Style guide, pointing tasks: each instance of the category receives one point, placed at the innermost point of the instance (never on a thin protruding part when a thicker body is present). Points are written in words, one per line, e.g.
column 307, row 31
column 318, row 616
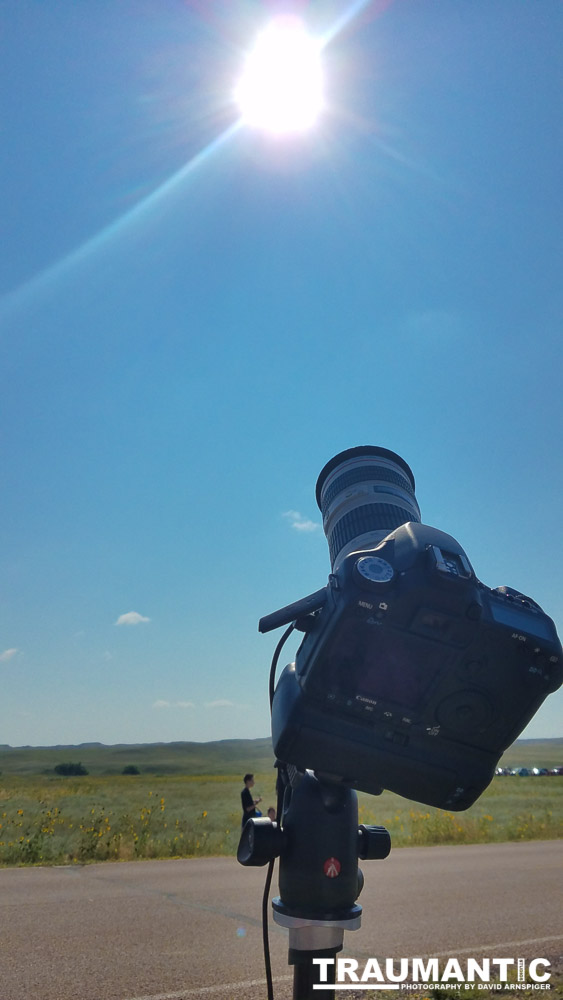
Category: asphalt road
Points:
column 189, row 930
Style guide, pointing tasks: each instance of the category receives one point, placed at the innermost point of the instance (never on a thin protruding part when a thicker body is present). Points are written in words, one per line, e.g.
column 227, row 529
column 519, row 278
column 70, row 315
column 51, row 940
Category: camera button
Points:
column 465, row 711
column 474, row 669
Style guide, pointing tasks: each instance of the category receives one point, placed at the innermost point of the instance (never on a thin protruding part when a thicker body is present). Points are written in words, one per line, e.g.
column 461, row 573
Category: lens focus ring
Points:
column 364, row 493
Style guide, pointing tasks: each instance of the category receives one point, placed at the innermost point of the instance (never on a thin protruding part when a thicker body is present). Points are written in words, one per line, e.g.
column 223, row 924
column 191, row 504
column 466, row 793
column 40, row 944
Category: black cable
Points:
column 270, row 872
column 266, row 899
column 275, row 659
column 265, row 938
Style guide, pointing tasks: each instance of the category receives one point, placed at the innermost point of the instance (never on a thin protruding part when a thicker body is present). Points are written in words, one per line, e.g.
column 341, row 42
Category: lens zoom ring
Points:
column 368, row 474
column 367, row 517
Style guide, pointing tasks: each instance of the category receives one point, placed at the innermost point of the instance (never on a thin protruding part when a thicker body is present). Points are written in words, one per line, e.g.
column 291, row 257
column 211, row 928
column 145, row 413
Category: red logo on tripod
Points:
column 332, row 867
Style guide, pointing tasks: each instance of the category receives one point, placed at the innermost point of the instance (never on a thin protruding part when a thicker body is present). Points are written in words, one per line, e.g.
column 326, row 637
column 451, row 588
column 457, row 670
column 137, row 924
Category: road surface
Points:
column 190, row 929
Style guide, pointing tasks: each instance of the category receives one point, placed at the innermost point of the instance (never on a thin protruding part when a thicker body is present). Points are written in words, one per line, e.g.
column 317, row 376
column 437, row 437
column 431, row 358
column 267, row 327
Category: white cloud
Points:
column 299, row 522
column 161, row 703
column 7, row 655
column 131, row 618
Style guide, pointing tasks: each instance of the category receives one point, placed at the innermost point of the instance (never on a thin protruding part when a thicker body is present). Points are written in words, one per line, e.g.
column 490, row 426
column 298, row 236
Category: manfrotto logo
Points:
column 429, row 973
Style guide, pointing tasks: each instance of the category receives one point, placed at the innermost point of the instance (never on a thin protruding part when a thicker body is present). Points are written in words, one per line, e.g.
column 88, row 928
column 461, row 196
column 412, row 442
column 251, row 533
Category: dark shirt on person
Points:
column 247, row 800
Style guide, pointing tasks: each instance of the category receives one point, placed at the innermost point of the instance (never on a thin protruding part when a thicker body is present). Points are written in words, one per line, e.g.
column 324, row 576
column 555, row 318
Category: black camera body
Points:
column 412, row 675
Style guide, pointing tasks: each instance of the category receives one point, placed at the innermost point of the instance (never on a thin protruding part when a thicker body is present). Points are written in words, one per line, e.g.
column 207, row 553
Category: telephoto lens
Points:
column 363, row 494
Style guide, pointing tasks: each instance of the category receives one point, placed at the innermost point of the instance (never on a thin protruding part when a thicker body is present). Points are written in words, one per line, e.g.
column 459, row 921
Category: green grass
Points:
column 186, row 802
column 510, row 809
column 534, row 753
column 58, row 820
column 46, row 819
column 53, row 820
column 221, row 757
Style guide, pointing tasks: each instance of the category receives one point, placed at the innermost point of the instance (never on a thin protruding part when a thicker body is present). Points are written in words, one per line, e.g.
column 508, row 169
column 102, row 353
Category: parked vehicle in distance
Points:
column 528, row 772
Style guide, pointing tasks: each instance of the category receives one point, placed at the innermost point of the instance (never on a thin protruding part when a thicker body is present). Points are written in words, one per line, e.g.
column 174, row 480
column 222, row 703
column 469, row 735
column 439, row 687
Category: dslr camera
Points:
column 412, row 675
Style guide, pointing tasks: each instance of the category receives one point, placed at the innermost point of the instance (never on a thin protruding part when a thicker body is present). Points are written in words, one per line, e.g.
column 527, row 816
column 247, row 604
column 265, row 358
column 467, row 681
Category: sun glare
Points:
column 281, row 87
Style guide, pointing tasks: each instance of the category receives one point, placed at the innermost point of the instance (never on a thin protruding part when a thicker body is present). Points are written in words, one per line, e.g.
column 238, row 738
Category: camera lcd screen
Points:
column 532, row 624
column 374, row 664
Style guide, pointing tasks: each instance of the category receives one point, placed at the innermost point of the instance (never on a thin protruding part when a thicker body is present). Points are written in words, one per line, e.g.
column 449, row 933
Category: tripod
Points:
column 318, row 843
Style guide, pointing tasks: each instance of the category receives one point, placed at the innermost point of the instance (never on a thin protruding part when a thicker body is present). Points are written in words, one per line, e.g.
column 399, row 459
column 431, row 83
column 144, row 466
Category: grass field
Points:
column 47, row 819
column 220, row 757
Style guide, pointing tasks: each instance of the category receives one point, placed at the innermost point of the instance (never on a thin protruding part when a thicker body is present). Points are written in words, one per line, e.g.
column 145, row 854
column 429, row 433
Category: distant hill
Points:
column 218, row 757
column 534, row 753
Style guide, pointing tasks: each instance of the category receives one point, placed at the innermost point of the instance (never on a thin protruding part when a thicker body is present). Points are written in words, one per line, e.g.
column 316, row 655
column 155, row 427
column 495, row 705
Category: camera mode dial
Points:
column 374, row 569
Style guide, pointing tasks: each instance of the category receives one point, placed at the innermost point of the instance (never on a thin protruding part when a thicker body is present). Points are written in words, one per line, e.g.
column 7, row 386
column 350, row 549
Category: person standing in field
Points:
column 248, row 803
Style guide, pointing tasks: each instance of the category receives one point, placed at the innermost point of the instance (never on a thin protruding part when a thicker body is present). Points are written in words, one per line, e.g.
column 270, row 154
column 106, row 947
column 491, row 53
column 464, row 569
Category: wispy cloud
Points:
column 299, row 522
column 220, row 703
column 161, row 703
column 131, row 618
column 7, row 655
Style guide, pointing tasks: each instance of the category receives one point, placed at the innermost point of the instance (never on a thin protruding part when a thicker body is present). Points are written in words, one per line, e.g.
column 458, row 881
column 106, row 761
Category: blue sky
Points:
column 196, row 316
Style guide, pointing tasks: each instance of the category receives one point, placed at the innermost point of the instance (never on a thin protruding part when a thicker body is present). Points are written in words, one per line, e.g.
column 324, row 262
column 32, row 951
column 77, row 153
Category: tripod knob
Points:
column 374, row 843
column 261, row 841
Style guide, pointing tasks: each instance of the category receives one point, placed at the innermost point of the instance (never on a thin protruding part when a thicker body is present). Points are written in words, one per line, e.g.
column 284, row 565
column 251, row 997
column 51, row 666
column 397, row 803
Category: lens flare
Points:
column 281, row 87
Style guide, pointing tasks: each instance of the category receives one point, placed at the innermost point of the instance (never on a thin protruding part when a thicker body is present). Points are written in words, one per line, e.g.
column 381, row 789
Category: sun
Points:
column 281, row 87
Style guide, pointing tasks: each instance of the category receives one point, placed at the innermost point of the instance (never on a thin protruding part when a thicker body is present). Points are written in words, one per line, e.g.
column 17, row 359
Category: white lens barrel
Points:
column 364, row 493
